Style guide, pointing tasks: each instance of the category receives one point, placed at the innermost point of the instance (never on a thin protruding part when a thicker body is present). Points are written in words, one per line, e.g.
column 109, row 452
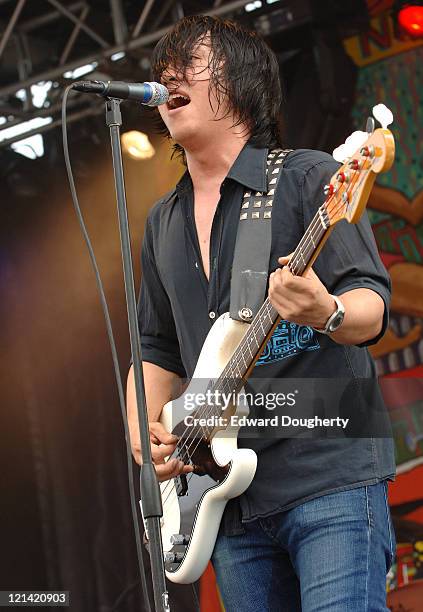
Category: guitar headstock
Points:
column 349, row 188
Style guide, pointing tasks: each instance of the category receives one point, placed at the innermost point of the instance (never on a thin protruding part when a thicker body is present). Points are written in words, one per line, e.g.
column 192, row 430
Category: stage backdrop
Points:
column 390, row 71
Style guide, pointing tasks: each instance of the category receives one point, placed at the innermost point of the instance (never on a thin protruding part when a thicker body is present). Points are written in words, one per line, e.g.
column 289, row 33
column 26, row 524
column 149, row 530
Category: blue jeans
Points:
column 330, row 554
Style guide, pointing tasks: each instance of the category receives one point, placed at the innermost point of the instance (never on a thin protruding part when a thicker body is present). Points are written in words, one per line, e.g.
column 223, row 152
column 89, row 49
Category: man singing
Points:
column 313, row 530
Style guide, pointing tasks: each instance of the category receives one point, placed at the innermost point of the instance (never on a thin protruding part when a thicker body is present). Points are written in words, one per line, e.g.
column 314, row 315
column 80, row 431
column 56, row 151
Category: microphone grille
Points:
column 159, row 96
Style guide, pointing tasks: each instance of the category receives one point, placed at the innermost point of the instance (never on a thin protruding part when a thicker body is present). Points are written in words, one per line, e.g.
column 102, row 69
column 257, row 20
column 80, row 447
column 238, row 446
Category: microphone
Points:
column 150, row 94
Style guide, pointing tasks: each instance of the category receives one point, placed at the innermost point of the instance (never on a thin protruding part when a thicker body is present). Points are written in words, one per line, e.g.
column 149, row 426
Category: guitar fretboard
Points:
column 235, row 372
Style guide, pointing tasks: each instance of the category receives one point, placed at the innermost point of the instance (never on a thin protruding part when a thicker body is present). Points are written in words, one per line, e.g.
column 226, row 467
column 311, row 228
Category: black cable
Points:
column 112, row 347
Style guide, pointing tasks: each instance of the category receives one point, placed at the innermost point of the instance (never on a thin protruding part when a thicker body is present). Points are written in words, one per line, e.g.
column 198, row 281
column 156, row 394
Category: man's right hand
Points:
column 160, row 386
column 163, row 445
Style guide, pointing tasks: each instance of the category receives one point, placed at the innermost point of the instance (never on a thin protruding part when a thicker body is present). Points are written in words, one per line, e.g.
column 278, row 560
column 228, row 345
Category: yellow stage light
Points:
column 137, row 145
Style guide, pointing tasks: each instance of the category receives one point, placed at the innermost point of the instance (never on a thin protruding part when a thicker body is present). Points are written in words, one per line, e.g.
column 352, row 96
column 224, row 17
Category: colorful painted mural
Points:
column 390, row 71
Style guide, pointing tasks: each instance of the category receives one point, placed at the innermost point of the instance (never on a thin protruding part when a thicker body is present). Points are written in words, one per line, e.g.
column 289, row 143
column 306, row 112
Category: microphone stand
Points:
column 151, row 502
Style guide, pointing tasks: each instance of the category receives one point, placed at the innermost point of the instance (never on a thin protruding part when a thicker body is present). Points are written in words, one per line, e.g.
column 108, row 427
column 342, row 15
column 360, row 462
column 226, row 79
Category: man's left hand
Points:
column 300, row 299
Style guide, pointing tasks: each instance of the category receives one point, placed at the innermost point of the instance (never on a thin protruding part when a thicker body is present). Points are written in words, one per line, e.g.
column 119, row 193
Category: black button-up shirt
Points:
column 178, row 306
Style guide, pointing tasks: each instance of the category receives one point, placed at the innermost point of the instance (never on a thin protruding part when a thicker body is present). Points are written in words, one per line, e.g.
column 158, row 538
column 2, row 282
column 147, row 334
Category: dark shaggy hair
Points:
column 243, row 70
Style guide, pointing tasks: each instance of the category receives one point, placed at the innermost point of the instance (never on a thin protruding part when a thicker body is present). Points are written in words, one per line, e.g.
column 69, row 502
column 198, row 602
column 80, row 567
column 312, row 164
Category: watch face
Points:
column 336, row 322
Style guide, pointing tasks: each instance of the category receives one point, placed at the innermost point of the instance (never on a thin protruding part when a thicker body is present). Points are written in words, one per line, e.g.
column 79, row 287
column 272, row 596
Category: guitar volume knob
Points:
column 179, row 539
column 171, row 557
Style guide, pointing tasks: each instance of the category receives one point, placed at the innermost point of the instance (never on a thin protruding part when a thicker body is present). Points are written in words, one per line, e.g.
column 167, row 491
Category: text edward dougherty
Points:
column 209, row 406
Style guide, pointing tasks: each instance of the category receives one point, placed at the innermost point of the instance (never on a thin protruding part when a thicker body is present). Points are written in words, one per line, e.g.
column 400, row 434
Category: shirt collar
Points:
column 184, row 184
column 249, row 169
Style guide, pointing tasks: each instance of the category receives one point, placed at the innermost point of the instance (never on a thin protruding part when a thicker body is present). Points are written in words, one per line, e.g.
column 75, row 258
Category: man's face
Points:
column 188, row 115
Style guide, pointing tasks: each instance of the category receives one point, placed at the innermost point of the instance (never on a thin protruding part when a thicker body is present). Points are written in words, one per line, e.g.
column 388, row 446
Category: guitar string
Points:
column 259, row 318
column 299, row 254
column 183, row 446
column 266, row 314
column 292, row 265
column 224, row 382
column 267, row 308
column 171, row 481
column 257, row 322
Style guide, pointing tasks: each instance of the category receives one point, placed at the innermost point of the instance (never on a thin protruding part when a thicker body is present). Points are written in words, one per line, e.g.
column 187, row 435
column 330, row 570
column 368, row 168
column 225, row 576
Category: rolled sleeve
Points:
column 159, row 341
column 350, row 259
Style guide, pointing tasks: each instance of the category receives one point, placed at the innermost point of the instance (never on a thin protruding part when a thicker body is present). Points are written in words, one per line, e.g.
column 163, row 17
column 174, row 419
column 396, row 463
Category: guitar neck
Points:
column 347, row 195
column 262, row 326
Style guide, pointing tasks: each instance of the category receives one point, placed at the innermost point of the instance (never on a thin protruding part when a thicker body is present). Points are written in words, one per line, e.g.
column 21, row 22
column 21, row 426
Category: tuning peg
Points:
column 343, row 177
column 328, row 189
column 354, row 164
column 383, row 115
column 370, row 125
column 367, row 151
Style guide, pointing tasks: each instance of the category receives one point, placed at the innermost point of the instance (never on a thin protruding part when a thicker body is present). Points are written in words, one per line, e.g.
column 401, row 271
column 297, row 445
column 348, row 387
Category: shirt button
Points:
column 212, row 314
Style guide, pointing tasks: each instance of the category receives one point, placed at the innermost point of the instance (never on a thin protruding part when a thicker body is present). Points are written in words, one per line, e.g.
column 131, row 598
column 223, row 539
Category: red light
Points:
column 411, row 19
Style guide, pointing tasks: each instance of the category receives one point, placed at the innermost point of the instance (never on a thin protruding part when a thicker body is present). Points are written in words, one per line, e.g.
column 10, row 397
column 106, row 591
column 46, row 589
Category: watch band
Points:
column 335, row 320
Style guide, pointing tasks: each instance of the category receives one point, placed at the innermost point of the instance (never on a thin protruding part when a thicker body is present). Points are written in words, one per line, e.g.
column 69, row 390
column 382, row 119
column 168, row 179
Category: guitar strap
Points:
column 250, row 266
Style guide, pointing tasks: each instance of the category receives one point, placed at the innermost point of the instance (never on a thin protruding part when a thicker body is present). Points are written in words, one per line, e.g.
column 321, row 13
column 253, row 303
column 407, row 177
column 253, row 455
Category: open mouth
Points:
column 177, row 101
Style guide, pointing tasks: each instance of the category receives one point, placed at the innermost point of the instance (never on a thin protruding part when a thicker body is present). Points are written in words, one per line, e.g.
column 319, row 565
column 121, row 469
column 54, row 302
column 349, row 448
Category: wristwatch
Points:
column 335, row 319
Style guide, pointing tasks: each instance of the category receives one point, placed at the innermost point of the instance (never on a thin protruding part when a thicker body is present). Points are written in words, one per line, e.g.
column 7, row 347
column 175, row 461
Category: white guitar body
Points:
column 208, row 504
